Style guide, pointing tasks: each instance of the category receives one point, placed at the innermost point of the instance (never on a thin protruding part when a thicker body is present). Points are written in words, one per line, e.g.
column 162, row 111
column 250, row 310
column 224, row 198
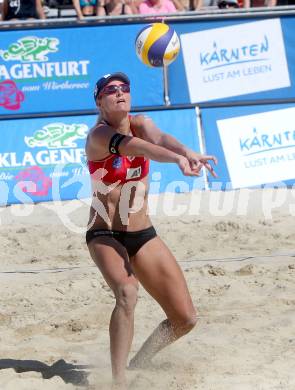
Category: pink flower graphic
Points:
column 34, row 181
column 10, row 96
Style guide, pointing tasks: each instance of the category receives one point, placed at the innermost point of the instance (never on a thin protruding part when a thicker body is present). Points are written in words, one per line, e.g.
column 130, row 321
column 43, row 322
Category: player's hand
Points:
column 185, row 167
column 198, row 161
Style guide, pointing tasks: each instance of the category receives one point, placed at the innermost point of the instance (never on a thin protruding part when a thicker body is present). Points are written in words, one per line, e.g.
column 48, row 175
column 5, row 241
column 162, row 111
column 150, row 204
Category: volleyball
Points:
column 157, row 44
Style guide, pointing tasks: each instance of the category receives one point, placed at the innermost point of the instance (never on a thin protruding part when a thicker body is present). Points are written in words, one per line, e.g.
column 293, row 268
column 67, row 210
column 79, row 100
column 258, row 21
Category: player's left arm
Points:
column 146, row 129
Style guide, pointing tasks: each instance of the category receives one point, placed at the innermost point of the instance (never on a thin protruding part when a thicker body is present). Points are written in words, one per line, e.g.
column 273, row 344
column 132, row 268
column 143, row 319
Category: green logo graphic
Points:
column 57, row 135
column 30, row 49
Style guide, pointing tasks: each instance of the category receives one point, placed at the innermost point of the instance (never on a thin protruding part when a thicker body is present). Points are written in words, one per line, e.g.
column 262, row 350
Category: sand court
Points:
column 55, row 306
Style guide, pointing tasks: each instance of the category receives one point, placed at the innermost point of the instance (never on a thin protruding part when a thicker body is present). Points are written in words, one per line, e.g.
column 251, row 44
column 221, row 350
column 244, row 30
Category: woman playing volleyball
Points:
column 127, row 250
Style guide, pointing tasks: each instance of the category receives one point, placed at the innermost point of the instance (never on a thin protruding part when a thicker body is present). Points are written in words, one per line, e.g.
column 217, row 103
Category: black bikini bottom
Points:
column 132, row 241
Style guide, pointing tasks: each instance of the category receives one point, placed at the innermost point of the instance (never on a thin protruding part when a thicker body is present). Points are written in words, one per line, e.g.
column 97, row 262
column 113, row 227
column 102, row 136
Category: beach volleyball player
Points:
column 129, row 252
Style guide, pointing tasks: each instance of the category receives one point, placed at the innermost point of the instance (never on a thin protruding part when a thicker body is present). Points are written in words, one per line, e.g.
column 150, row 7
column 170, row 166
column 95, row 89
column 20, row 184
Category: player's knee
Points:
column 126, row 297
column 186, row 322
column 191, row 321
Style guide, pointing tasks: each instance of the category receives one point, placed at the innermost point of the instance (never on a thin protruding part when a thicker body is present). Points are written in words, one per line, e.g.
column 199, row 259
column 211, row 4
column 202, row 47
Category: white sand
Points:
column 55, row 306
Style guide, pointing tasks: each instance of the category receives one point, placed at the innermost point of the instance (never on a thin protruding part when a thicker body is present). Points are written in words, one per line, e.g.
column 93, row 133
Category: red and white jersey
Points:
column 119, row 168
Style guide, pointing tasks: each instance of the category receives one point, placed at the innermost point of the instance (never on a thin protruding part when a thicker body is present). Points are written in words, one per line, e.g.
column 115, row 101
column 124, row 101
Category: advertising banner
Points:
column 55, row 69
column 39, row 159
column 234, row 59
column 254, row 145
column 44, row 159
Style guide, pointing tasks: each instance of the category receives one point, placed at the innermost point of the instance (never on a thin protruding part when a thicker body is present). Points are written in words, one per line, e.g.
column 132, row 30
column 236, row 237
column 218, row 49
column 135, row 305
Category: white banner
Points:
column 259, row 148
column 235, row 60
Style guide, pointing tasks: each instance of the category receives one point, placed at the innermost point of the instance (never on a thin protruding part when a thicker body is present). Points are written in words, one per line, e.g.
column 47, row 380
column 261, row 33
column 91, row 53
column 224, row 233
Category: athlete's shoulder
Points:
column 140, row 120
column 101, row 127
column 100, row 132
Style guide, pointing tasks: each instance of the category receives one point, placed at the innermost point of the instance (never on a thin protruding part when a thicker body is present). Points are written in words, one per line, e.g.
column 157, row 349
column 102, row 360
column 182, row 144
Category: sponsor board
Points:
column 259, row 148
column 48, row 161
column 31, row 62
column 46, row 155
column 54, row 144
column 235, row 60
column 54, row 69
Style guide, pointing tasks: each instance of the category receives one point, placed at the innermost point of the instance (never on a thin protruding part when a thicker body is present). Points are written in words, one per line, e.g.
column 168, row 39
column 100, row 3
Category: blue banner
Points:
column 255, row 145
column 55, row 69
column 48, row 160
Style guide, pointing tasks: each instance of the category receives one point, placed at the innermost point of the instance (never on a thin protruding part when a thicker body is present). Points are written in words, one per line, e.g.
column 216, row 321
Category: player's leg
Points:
column 112, row 260
column 159, row 273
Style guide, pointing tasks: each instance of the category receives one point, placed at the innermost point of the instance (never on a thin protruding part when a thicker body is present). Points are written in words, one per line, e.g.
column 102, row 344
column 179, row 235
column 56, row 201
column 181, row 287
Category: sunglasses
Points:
column 113, row 89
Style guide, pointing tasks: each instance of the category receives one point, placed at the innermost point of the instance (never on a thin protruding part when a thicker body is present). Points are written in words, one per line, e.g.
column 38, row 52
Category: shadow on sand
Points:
column 70, row 373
